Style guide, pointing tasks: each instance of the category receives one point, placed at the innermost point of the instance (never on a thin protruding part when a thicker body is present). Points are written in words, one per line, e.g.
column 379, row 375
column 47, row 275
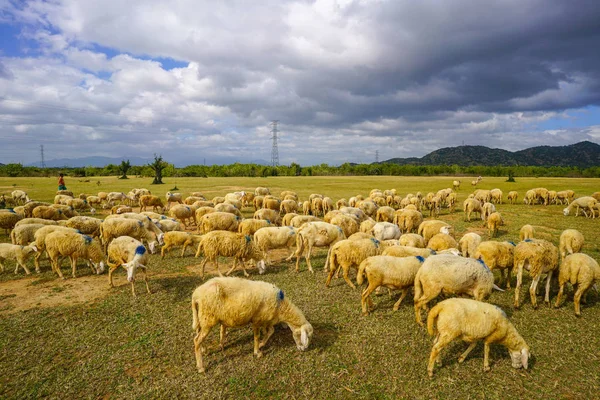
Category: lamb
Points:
column 391, row 272
column 18, row 253
column 432, row 227
column 75, row 246
column 571, row 241
column 120, row 209
column 471, row 321
column 538, row 257
column 385, row 231
column 24, row 234
column 526, row 232
column 20, row 196
column 497, row 255
column 493, row 222
column 149, row 200
column 577, row 269
column 270, row 238
column 486, row 210
column 408, row 220
column 585, row 204
column 235, row 302
column 468, row 244
column 86, row 225
column 442, row 241
column 451, row 274
column 268, row 214
column 9, row 219
column 221, row 221
column 413, row 240
column 350, row 253
column 173, row 198
column 250, row 226
column 131, row 254
column 177, row 238
column 228, row 244
column 183, row 213
column 316, row 234
column 48, row 212
column 471, row 206
column 114, row 227
column 512, row 197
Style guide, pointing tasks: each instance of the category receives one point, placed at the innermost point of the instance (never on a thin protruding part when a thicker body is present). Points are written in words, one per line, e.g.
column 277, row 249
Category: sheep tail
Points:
column 332, row 261
column 361, row 271
column 195, row 322
column 418, row 286
column 431, row 319
column 13, row 238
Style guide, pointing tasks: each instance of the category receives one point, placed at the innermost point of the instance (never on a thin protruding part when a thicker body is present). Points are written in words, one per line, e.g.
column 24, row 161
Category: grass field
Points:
column 79, row 339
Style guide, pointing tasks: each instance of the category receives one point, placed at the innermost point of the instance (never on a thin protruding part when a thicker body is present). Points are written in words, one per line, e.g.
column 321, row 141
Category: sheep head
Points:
column 302, row 336
column 520, row 358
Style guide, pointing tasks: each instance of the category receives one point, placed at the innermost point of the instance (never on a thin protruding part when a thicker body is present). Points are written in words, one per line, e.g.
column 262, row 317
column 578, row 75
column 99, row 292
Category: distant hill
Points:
column 583, row 154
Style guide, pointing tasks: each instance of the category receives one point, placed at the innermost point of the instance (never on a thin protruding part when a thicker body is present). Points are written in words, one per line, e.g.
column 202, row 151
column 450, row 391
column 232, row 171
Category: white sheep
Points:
column 350, row 253
column 86, row 225
column 408, row 220
column 512, row 196
column 221, row 221
column 571, row 241
column 235, row 302
column 387, row 271
column 178, row 238
column 270, row 238
column 250, row 226
column 74, row 245
column 18, row 253
column 538, row 257
column 131, row 254
column 412, row 239
column 526, row 232
column 48, row 212
column 456, row 184
column 20, row 196
column 471, row 206
column 486, row 210
column 450, row 274
column 493, row 222
column 428, row 229
column 149, row 200
column 406, row 251
column 270, row 215
column 168, row 224
column 228, row 244
column 300, row 220
column 226, row 207
column 113, row 228
column 468, row 244
column 497, row 255
column 472, row 321
column 9, row 219
column 585, row 204
column 385, row 231
column 113, row 197
column 316, row 234
column 577, row 269
column 184, row 214
column 40, row 241
column 442, row 241
column 174, row 198
column 24, row 234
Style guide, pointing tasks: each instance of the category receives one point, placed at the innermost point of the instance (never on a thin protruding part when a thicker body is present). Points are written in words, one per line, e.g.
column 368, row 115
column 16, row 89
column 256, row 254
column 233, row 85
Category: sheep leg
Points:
column 519, row 283
column 198, row 339
column 577, row 299
column 464, row 355
column 246, row 274
column 133, row 289
column 329, row 276
column 346, row 270
column 222, row 336
column 547, row 296
column 2, row 267
column 202, row 264
column 559, row 296
column 268, row 333
column 365, row 297
column 36, row 261
column 532, row 290
column 256, row 330
column 185, row 245
column 74, row 266
column 56, row 267
column 165, row 249
column 422, row 303
column 404, row 293
column 143, row 267
column 232, row 268
column 23, row 265
column 486, row 356
column 439, row 344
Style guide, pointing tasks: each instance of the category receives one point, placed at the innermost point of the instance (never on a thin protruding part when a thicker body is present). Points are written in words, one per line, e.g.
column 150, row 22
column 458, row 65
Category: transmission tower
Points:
column 274, row 150
column 376, row 156
column 42, row 164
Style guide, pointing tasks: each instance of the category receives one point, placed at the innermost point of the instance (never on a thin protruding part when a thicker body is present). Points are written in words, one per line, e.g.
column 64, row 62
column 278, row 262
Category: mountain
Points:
column 583, row 154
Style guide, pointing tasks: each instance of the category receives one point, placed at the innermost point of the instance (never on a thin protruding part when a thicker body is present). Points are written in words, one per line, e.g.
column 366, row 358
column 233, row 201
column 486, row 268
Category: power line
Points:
column 42, row 164
column 376, row 156
column 274, row 149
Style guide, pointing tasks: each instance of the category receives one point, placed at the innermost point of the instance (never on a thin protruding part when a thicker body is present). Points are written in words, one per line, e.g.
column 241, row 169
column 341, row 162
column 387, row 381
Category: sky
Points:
column 200, row 81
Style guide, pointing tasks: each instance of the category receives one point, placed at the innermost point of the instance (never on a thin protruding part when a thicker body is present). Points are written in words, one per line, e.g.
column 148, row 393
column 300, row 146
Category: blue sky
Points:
column 194, row 80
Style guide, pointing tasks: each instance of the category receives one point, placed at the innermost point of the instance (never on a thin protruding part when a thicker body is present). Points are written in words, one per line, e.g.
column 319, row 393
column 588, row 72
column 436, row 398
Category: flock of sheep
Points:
column 383, row 236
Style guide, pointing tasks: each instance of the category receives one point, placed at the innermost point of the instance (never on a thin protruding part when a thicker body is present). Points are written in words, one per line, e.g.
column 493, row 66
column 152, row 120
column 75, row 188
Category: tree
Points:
column 158, row 166
column 124, row 167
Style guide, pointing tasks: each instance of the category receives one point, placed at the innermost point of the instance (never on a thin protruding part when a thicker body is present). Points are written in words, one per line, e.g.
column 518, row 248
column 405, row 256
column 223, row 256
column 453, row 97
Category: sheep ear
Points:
column 525, row 358
column 303, row 337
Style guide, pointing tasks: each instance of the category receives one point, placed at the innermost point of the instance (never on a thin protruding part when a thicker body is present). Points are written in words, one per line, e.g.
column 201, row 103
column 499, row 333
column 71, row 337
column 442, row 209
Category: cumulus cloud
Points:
column 345, row 78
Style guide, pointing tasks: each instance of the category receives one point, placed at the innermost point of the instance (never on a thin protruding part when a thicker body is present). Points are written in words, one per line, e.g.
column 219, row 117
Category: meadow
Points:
column 80, row 339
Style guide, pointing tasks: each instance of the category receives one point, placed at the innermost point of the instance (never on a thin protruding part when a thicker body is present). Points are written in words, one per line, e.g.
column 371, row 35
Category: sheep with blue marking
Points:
column 75, row 246
column 268, row 214
column 86, row 225
column 250, row 226
column 391, row 272
column 40, row 240
column 184, row 214
column 468, row 244
column 270, row 238
column 346, row 254
column 497, row 255
column 130, row 254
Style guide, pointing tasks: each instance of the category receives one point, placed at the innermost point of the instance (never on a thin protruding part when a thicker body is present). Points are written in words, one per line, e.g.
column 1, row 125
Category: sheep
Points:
column 16, row 252
column 350, row 253
column 202, row 211
column 112, row 197
column 451, row 274
column 257, row 202
column 40, row 241
column 183, row 213
column 468, row 244
column 268, row 214
column 486, row 210
column 456, row 185
column 192, row 199
column 287, row 219
column 65, row 192
column 20, row 211
column 526, row 232
column 29, row 207
column 571, row 241
column 228, row 244
column 270, row 238
column 408, row 220
column 471, row 206
column 341, row 203
column 173, row 198
column 538, row 257
column 235, row 302
column 177, row 238
column 413, row 240
column 471, row 321
column 356, row 212
column 584, row 204
column 562, row 197
column 483, row 196
column 497, row 255
column 24, row 234
column 385, row 214
column 359, row 235
column 300, row 220
column 250, row 226
column 131, row 254
column 218, row 221
column 347, row 223
column 405, row 251
column 62, row 199
column 493, row 222
column 327, row 204
column 432, row 227
column 391, row 272
column 367, row 225
column 94, row 201
column 512, row 197
column 385, row 231
column 316, row 207
column 149, row 200
column 542, row 195
column 9, row 219
column 577, row 269
column 306, row 208
column 552, row 196
column 286, row 193
column 271, row 203
column 261, row 191
column 316, row 234
column 368, row 207
column 77, row 204
column 288, row 206
column 20, row 196
column 496, row 196
column 86, row 225
column 120, row 209
column 145, row 220
column 68, row 211
column 114, row 227
column 442, row 241
column 48, row 212
column 74, row 245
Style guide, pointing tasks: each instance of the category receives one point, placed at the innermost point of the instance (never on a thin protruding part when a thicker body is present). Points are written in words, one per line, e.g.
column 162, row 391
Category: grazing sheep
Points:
column 538, row 257
column 94, row 201
column 184, row 214
column 471, row 206
column 497, row 255
column 562, row 197
column 512, row 197
column 28, row 221
column 347, row 223
column 288, row 206
column 24, row 234
column 20, row 196
column 341, row 203
column 496, row 196
column 388, row 271
column 385, row 214
column 261, row 191
column 173, row 198
column 113, row 197
column 350, row 253
column 581, row 270
column 450, row 274
column 234, row 302
column 287, row 219
column 258, row 202
column 120, row 209
column 62, row 199
column 316, row 234
column 270, row 238
column 493, row 222
column 16, row 252
column 177, row 238
column 40, row 240
column 8, row 220
column 456, row 185
column 408, row 220
column 86, row 225
column 250, row 226
column 131, row 254
column 472, row 321
column 428, row 229
column 355, row 212
column 168, row 225
column 192, row 199
column 571, row 241
column 271, row 203
column 114, row 227
column 149, row 200
column 218, row 221
column 585, row 204
column 412, row 239
column 385, row 231
column 202, row 211
column 442, row 241
column 526, row 232
column 367, row 225
column 406, row 251
column 468, row 244
column 486, row 210
column 68, row 211
column 268, row 214
column 300, row 220
column 146, row 221
column 48, row 212
column 228, row 244
column 74, row 245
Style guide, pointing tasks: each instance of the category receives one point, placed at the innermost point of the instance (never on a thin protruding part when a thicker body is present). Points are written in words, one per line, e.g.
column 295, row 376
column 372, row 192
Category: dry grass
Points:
column 119, row 347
